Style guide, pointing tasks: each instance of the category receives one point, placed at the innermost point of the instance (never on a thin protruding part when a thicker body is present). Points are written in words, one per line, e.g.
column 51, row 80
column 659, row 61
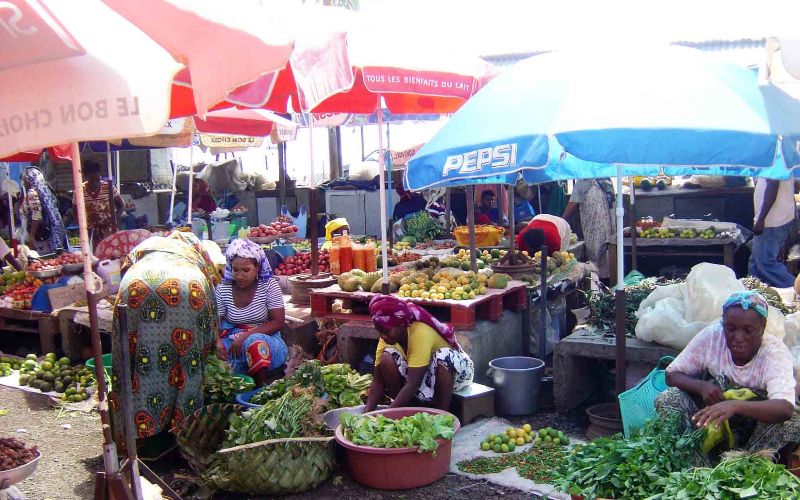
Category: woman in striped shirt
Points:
column 251, row 313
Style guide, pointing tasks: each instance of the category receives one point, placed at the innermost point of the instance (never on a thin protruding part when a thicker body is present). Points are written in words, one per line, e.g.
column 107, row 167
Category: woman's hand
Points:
column 711, row 393
column 717, row 413
column 237, row 348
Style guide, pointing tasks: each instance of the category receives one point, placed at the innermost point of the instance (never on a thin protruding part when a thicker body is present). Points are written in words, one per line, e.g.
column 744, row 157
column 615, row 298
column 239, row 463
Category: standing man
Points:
column 775, row 213
column 104, row 205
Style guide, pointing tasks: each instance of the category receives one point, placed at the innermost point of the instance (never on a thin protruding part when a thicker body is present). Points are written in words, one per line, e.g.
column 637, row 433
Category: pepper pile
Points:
column 536, row 464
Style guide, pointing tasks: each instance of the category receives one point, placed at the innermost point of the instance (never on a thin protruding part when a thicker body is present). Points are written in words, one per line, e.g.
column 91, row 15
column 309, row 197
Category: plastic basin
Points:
column 244, row 399
column 397, row 468
column 106, row 368
column 20, row 473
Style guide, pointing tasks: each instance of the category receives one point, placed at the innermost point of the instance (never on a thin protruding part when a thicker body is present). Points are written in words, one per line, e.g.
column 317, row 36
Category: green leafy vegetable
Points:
column 750, row 476
column 420, row 430
column 632, row 468
column 421, row 226
column 220, row 384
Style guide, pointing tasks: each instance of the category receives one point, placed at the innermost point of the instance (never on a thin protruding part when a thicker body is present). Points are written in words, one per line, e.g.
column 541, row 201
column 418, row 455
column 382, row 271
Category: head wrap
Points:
column 748, row 300
column 333, row 225
column 249, row 250
column 36, row 181
column 388, row 312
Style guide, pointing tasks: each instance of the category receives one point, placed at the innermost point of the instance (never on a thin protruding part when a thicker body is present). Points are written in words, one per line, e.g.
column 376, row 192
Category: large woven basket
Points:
column 201, row 434
column 275, row 466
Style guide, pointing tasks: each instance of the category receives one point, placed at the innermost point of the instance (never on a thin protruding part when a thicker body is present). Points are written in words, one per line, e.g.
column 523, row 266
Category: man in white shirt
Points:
column 775, row 212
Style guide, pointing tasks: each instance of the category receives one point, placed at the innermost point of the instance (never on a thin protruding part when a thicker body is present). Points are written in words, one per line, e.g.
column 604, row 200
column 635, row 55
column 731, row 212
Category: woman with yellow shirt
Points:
column 418, row 358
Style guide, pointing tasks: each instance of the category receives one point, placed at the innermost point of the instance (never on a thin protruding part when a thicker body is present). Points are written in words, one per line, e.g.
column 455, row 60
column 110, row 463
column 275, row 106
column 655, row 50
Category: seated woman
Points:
column 251, row 313
column 418, row 358
column 735, row 354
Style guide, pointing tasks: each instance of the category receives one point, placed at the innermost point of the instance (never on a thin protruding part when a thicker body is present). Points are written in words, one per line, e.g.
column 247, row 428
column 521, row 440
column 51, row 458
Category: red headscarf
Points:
column 388, row 312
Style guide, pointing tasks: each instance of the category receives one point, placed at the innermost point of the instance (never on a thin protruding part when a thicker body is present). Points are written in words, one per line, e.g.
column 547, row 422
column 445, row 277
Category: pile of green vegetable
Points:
column 220, row 384
column 748, row 476
column 297, row 413
column 602, row 310
column 536, row 463
column 629, row 468
column 420, row 430
column 343, row 385
column 773, row 297
column 422, row 226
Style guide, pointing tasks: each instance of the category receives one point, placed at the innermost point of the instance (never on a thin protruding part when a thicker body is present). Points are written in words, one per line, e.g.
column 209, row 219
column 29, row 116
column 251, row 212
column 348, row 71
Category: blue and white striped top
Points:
column 268, row 296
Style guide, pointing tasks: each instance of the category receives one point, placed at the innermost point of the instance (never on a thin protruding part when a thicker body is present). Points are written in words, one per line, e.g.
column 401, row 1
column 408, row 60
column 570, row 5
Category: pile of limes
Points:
column 508, row 442
column 444, row 285
column 550, row 435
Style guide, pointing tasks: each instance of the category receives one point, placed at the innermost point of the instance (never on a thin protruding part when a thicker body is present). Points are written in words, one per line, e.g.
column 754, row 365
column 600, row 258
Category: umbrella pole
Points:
column 382, row 191
column 471, row 226
column 619, row 294
column 116, row 154
column 511, row 259
column 109, row 162
column 12, row 238
column 312, row 198
column 446, row 210
column 111, row 479
column 389, row 187
column 191, row 182
column 172, row 193
column 632, row 223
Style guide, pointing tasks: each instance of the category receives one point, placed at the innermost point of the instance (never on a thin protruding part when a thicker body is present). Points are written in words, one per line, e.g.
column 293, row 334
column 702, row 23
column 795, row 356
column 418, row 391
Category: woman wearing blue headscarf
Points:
column 251, row 313
column 734, row 376
column 44, row 227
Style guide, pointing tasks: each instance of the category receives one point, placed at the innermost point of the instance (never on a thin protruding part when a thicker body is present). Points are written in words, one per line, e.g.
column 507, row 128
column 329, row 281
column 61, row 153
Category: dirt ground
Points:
column 71, row 444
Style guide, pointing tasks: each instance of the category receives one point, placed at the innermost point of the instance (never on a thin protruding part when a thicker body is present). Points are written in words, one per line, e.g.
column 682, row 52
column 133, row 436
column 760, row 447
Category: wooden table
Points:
column 462, row 313
column 674, row 247
column 31, row 323
column 573, row 376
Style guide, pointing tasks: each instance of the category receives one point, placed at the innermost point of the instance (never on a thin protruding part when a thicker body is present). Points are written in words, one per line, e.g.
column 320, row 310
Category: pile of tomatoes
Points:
column 301, row 264
column 281, row 225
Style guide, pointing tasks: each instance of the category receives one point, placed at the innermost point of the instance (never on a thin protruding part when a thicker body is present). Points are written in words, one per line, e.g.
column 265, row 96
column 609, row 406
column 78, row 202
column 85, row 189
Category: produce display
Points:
column 420, row 430
column 342, row 385
column 629, row 468
column 773, row 297
column 357, row 279
column 6, row 369
column 67, row 258
column 301, row 264
column 296, row 413
column 282, row 225
column 435, row 245
column 14, row 453
column 460, row 260
column 220, row 385
column 740, row 476
column 44, row 265
column 444, row 285
column 300, row 244
column 537, row 463
column 602, row 305
column 421, row 226
column 408, row 257
column 686, row 233
column 508, row 441
column 406, row 243
column 57, row 375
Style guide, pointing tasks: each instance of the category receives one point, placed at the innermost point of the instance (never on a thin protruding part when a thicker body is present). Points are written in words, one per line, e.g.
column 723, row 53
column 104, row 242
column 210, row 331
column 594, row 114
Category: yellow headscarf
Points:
column 330, row 227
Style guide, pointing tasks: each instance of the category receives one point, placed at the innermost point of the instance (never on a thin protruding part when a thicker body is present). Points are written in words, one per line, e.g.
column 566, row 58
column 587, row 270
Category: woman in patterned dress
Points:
column 40, row 209
column 418, row 357
column 736, row 354
column 595, row 197
column 251, row 313
column 172, row 325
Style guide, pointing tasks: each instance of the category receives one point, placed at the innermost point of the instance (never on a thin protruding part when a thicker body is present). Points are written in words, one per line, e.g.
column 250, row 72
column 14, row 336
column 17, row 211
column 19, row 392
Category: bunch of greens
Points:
column 220, row 384
column 420, row 430
column 345, row 387
column 773, row 297
column 422, row 226
column 602, row 310
column 749, row 476
column 308, row 374
column 297, row 413
column 629, row 468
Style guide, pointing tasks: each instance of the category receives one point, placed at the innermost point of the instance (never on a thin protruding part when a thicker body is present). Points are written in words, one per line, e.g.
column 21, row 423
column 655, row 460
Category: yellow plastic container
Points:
column 485, row 235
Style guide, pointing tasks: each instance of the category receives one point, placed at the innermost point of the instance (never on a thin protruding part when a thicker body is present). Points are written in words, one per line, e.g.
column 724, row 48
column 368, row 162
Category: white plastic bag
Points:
column 665, row 324
column 708, row 286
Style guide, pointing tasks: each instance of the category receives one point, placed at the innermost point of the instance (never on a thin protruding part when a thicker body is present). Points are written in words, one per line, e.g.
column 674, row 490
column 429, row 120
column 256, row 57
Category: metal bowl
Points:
column 22, row 472
column 47, row 274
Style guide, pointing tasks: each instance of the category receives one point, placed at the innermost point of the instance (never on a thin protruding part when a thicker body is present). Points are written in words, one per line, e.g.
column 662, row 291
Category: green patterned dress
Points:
column 172, row 324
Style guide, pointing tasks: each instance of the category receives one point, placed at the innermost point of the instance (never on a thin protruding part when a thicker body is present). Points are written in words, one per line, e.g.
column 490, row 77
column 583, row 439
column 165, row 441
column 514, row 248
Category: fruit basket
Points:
column 20, row 473
column 485, row 236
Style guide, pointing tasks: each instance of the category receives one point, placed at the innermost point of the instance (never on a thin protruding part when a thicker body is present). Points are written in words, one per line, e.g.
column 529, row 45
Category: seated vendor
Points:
column 523, row 210
column 251, row 313
column 409, row 203
column 418, row 360
column 736, row 354
column 487, row 213
column 336, row 227
column 544, row 229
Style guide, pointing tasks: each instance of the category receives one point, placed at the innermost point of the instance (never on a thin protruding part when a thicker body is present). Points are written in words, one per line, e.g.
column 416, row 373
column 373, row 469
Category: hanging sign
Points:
column 400, row 158
column 230, row 141
column 281, row 133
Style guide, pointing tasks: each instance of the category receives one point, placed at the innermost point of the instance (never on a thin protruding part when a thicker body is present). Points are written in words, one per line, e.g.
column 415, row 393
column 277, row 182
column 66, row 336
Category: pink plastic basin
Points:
column 397, row 468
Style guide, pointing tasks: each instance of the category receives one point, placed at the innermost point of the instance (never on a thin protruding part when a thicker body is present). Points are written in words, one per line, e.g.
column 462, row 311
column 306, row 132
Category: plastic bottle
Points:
column 333, row 256
column 345, row 253
column 359, row 259
column 370, row 262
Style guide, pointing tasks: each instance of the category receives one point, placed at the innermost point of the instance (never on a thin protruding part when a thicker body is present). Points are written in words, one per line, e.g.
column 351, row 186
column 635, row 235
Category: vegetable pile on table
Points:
column 220, row 384
column 773, row 297
column 629, row 468
column 602, row 306
column 747, row 476
column 14, row 453
column 343, row 385
column 536, row 463
column 421, row 226
column 420, row 430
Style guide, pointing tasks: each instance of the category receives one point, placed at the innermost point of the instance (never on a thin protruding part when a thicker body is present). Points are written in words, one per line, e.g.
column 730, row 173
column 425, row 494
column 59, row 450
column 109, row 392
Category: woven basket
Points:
column 201, row 434
column 276, row 466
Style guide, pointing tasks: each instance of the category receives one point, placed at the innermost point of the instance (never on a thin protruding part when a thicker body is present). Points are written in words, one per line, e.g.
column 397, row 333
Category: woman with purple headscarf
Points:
column 251, row 313
column 418, row 359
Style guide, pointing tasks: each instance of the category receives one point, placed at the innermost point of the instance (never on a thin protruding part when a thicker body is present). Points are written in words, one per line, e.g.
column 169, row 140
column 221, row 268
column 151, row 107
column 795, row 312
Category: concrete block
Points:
column 492, row 339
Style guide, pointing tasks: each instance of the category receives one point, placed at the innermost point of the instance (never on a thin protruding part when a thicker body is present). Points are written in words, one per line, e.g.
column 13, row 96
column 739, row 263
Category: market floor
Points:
column 71, row 445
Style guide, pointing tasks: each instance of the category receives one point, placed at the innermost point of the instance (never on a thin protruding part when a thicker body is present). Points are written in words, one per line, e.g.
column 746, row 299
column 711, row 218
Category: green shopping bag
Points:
column 637, row 403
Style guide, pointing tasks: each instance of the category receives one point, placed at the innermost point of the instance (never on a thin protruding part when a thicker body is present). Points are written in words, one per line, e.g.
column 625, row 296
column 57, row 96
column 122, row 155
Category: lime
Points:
column 520, row 441
column 504, row 448
column 511, row 447
column 485, row 446
column 553, row 433
column 527, row 428
column 556, row 441
column 491, row 437
column 31, row 357
column 542, row 432
column 528, row 438
column 496, row 448
column 511, row 432
column 548, row 439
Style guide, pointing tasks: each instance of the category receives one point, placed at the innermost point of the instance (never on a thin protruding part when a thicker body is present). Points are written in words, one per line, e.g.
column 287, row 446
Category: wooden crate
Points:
column 13, row 321
column 462, row 314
